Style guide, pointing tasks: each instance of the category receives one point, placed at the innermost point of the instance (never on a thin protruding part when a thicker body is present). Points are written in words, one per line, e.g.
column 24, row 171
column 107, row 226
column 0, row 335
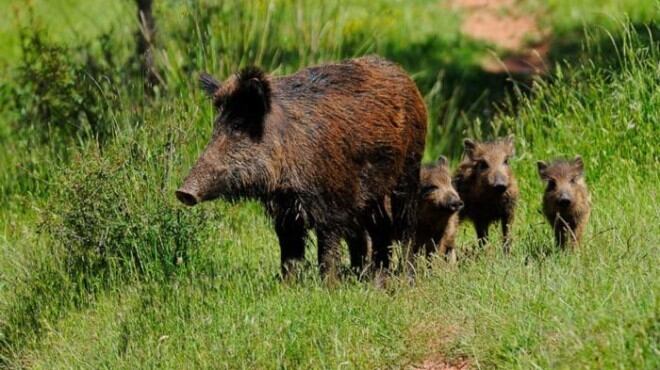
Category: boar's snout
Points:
column 455, row 204
column 500, row 184
column 564, row 200
column 205, row 181
column 186, row 197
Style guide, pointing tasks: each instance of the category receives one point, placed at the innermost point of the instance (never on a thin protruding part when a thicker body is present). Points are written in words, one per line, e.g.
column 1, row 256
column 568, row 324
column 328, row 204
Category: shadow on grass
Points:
column 470, row 97
column 458, row 91
column 603, row 48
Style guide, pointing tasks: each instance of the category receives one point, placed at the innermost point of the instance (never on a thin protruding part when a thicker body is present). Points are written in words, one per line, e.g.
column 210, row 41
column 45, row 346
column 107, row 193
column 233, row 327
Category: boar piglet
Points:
column 487, row 186
column 439, row 203
column 566, row 201
column 321, row 148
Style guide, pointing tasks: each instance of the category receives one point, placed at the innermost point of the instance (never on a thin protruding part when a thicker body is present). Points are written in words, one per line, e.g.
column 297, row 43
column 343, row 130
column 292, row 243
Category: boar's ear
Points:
column 511, row 141
column 469, row 146
column 443, row 161
column 579, row 164
column 251, row 98
column 542, row 166
column 208, row 83
column 255, row 87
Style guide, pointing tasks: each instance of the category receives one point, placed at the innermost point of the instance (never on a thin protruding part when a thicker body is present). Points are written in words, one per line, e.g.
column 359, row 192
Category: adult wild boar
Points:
column 321, row 148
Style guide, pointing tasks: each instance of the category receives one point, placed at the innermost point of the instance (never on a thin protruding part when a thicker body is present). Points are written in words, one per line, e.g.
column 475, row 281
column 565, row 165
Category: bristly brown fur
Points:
column 565, row 183
column 482, row 172
column 331, row 142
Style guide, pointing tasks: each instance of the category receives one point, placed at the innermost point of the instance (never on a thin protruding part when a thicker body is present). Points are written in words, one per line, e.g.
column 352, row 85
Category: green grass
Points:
column 100, row 267
column 69, row 21
column 594, row 13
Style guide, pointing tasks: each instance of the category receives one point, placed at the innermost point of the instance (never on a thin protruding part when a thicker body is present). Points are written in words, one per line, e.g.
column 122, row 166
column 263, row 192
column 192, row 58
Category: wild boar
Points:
column 487, row 186
column 566, row 201
column 439, row 204
column 321, row 148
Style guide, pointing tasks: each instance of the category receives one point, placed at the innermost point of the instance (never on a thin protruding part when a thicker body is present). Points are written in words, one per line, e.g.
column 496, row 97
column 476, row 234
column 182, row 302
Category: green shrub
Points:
column 112, row 217
column 66, row 91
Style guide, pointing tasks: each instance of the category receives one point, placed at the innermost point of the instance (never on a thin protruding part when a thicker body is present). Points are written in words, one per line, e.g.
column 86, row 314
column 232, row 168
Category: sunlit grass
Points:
column 218, row 302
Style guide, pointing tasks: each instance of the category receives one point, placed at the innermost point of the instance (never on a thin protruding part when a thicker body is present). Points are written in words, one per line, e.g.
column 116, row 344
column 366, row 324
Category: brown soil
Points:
column 504, row 25
column 440, row 364
column 434, row 338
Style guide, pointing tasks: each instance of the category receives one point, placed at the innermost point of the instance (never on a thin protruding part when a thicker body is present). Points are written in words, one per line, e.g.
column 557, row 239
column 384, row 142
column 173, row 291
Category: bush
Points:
column 112, row 218
column 60, row 90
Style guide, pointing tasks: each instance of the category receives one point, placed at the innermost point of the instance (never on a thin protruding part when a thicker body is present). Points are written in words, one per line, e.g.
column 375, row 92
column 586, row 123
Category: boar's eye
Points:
column 232, row 122
column 427, row 190
column 574, row 180
column 482, row 165
column 552, row 184
column 506, row 161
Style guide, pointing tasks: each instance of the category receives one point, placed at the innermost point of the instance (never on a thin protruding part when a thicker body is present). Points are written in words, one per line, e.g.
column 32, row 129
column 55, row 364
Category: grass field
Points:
column 101, row 267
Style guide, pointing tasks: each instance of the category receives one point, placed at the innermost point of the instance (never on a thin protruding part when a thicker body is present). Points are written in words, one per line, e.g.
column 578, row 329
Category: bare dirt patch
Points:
column 505, row 25
column 435, row 338
column 440, row 364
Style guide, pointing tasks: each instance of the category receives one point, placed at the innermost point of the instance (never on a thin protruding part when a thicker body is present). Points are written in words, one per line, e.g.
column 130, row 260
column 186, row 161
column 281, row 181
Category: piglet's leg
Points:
column 482, row 232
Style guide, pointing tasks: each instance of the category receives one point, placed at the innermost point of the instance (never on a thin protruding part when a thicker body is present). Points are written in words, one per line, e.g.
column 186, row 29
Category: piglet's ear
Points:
column 579, row 164
column 443, row 161
column 511, row 140
column 208, row 84
column 469, row 146
column 542, row 167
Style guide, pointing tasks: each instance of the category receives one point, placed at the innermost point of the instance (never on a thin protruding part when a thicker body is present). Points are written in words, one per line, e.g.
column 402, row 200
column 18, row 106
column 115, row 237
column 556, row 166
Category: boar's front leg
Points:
column 560, row 236
column 482, row 232
column 577, row 233
column 447, row 248
column 563, row 232
column 291, row 233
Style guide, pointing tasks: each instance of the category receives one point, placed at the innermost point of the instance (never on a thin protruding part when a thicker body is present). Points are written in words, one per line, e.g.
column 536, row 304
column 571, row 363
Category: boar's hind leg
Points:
column 358, row 248
column 291, row 233
column 404, row 206
column 379, row 226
